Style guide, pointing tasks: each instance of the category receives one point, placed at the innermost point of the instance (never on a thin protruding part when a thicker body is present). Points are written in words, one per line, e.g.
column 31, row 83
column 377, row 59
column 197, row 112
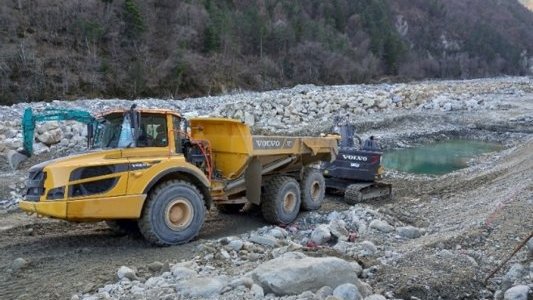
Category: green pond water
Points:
column 437, row 158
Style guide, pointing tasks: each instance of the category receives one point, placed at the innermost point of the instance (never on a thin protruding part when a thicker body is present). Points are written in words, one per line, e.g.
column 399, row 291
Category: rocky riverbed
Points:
column 439, row 237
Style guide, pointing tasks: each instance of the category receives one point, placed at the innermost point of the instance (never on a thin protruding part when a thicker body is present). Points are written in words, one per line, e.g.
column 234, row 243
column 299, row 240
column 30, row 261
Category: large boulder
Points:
column 15, row 158
column 50, row 137
column 294, row 273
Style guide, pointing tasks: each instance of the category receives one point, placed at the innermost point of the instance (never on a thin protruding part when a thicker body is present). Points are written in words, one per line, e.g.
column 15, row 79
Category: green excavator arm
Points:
column 29, row 119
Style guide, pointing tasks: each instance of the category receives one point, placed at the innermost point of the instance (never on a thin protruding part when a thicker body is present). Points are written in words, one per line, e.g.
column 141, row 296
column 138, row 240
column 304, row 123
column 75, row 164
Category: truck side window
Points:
column 153, row 131
column 178, row 134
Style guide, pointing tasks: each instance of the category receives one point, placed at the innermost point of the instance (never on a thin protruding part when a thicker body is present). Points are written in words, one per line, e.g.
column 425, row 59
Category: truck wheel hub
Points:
column 289, row 202
column 179, row 214
column 315, row 190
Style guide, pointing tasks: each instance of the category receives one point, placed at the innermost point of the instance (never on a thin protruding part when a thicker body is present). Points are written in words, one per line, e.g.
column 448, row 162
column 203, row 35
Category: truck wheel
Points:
column 229, row 208
column 173, row 214
column 280, row 203
column 123, row 227
column 313, row 188
column 352, row 195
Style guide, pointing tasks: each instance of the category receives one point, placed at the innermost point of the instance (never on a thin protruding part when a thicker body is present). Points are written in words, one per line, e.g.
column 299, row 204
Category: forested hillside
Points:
column 52, row 49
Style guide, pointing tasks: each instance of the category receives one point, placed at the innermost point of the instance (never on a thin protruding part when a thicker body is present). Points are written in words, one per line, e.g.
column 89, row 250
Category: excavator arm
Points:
column 29, row 119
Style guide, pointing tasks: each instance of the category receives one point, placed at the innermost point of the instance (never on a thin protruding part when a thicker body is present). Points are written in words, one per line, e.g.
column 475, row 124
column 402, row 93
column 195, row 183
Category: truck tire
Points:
column 229, row 208
column 281, row 200
column 123, row 227
column 313, row 189
column 353, row 195
column 173, row 213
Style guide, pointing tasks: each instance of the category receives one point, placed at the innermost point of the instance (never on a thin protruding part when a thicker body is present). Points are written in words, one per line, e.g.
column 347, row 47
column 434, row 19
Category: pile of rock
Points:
column 286, row 110
column 271, row 262
column 304, row 105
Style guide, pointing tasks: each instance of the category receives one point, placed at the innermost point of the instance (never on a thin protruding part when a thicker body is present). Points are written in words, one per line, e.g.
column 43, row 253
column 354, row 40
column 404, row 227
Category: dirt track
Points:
column 72, row 257
column 67, row 257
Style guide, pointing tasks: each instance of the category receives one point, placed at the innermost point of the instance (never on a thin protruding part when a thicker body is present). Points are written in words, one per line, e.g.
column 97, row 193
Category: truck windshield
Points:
column 113, row 131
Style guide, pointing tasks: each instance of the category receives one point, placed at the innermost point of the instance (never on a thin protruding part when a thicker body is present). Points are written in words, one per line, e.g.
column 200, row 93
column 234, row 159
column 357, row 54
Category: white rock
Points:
column 39, row 148
column 153, row 282
column 368, row 102
column 47, row 126
column 225, row 254
column 249, row 119
column 409, row 232
column 125, row 272
column 278, row 233
column 180, row 272
column 516, row 271
column 50, row 137
column 347, row 291
column 205, row 287
column 368, row 248
column 375, row 297
column 137, row 290
column 321, row 234
column 264, row 240
column 380, row 225
column 519, row 292
column 242, row 281
column 293, row 273
column 19, row 264
column 324, row 292
column 14, row 158
column 338, row 228
column 236, row 245
column 257, row 291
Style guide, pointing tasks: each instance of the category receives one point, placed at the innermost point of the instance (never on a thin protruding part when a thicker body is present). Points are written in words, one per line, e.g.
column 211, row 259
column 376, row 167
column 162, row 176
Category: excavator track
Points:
column 360, row 192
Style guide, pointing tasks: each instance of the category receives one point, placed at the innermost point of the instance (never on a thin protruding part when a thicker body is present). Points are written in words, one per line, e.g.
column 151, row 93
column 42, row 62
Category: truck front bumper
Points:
column 121, row 207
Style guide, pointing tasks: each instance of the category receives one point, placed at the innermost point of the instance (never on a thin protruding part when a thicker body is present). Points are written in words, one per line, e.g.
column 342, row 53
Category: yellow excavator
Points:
column 154, row 171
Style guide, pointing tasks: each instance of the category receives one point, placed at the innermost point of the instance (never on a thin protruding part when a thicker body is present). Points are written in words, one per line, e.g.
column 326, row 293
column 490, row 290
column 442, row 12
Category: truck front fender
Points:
column 195, row 177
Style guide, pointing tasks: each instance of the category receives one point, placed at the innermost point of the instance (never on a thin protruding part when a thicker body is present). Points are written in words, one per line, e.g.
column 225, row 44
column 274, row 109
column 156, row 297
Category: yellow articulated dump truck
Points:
column 156, row 172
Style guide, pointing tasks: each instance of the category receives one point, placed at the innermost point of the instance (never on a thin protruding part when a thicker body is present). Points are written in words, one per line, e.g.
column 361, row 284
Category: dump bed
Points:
column 234, row 147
